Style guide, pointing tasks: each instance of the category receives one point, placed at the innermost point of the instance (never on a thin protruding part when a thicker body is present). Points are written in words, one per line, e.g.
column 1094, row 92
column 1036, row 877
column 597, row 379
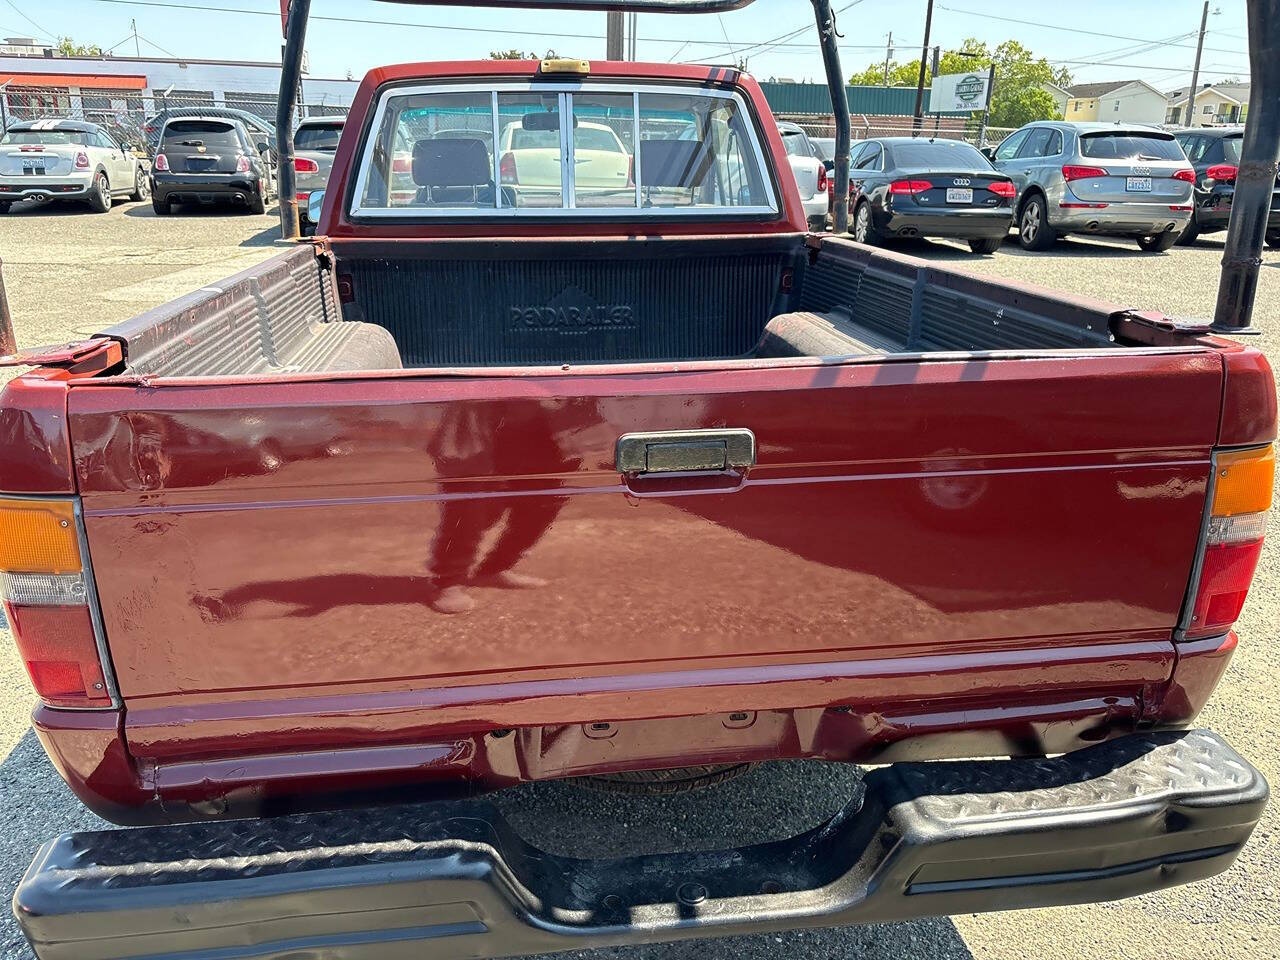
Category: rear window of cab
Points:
column 546, row 149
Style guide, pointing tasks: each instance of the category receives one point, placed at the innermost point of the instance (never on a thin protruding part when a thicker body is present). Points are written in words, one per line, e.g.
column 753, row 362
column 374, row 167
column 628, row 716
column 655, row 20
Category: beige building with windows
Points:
column 1216, row 103
column 1116, row 101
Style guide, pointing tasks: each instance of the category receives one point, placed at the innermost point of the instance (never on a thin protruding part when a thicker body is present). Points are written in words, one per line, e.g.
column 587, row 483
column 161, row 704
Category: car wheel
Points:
column 1273, row 237
column 141, row 185
column 864, row 229
column 100, row 195
column 1189, row 234
column 1034, row 232
column 162, row 207
column 257, row 204
column 985, row 245
column 1158, row 242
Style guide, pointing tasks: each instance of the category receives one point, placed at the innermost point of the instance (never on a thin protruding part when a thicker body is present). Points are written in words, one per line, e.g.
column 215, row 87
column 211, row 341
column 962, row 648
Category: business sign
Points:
column 958, row 92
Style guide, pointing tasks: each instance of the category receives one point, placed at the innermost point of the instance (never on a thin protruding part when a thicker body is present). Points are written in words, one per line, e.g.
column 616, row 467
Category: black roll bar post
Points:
column 295, row 36
column 839, row 110
column 1256, row 176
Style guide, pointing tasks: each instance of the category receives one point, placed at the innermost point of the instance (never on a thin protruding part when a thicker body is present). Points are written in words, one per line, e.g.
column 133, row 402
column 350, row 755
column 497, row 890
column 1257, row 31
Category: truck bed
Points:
column 474, row 303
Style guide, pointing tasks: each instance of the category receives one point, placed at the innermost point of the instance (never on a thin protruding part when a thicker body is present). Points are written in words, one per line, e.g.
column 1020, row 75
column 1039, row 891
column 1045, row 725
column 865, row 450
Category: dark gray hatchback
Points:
column 210, row 160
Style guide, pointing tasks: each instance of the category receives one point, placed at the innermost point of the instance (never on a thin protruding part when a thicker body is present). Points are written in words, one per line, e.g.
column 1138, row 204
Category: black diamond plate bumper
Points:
column 452, row 880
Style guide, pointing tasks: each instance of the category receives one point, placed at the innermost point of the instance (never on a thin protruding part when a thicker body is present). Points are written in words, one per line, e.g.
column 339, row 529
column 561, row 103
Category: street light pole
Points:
column 1195, row 73
column 918, row 116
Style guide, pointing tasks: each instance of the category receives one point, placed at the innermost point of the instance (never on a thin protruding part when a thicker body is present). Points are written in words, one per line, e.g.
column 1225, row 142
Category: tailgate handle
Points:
column 686, row 451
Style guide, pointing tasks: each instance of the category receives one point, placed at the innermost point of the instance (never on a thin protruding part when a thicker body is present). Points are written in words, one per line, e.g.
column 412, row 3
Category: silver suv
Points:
column 1105, row 179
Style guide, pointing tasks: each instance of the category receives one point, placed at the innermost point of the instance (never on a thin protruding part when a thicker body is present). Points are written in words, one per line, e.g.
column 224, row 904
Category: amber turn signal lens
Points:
column 38, row 536
column 1244, row 481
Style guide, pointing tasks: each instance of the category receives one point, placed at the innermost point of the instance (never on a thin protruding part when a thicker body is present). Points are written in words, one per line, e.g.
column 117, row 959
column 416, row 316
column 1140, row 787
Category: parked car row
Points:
column 198, row 156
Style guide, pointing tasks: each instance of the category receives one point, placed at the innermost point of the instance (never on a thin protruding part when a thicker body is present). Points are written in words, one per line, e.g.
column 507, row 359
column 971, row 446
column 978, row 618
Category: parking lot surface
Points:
column 70, row 273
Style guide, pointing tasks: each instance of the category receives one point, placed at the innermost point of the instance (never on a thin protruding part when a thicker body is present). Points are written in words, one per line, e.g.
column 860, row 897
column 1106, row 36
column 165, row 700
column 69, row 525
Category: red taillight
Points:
column 161, row 162
column 1082, row 206
column 823, row 181
column 305, row 165
column 507, row 168
column 1072, row 172
column 1003, row 188
column 1222, row 171
column 401, row 164
column 82, row 161
column 1233, row 542
column 1186, row 174
column 46, row 597
column 242, row 164
column 302, row 197
column 910, row 187
column 57, row 646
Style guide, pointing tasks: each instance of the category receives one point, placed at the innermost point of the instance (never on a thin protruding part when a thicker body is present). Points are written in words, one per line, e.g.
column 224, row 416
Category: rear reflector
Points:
column 57, row 647
column 46, row 590
column 1233, row 540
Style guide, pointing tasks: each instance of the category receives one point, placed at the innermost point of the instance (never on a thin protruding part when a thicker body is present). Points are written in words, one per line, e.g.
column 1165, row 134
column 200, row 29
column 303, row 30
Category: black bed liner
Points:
column 1129, row 816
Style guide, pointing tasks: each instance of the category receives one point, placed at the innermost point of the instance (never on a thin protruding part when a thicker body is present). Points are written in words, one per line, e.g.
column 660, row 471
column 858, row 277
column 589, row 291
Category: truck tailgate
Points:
column 272, row 558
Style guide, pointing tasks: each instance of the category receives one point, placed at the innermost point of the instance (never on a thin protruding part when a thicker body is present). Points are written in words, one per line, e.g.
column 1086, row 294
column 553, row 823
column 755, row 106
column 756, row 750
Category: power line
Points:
column 1061, row 29
column 47, row 33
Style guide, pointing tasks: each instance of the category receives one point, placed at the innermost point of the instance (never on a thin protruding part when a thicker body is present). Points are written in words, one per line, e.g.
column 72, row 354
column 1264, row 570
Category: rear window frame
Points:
column 773, row 211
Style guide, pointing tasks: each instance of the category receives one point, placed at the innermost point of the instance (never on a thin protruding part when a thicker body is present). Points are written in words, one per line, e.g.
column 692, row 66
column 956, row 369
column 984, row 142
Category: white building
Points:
column 133, row 87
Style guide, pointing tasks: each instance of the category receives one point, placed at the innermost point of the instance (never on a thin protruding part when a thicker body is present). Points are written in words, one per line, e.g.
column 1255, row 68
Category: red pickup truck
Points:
column 506, row 477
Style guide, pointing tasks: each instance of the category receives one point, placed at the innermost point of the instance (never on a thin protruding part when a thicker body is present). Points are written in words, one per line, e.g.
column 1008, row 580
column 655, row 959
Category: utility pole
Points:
column 613, row 36
column 918, row 117
column 1195, row 74
column 137, row 50
column 888, row 55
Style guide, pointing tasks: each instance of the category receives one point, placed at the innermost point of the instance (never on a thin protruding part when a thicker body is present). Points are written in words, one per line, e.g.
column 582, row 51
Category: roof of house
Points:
column 1091, row 90
column 1235, row 92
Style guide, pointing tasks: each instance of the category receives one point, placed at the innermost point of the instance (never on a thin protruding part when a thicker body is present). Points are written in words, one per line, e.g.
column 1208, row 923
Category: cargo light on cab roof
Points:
column 1242, row 483
column 46, row 587
column 564, row 65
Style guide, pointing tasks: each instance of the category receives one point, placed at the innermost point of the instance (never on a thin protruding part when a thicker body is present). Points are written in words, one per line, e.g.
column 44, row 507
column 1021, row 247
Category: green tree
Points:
column 514, row 54
column 1019, row 95
column 69, row 48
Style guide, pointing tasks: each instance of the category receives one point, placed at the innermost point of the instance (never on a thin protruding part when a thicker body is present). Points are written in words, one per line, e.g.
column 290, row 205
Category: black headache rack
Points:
column 453, row 880
column 294, row 15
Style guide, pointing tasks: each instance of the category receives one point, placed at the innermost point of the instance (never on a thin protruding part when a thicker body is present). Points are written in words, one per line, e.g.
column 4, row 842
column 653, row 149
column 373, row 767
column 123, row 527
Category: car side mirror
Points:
column 315, row 202
column 262, row 146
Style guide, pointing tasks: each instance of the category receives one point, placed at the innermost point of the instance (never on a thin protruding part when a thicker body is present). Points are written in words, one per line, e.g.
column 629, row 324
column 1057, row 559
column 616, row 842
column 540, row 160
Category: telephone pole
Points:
column 613, row 36
column 1195, row 73
column 918, row 116
column 888, row 55
column 137, row 50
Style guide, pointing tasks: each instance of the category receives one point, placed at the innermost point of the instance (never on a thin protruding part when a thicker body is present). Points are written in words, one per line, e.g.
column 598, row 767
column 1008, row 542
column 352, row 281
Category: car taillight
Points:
column 242, row 164
column 304, row 165
column 302, row 198
column 822, row 178
column 1003, row 188
column 401, row 164
column 507, row 167
column 910, row 186
column 1072, row 172
column 1186, row 174
column 161, row 162
column 1222, row 171
column 1242, row 481
column 82, row 161
column 46, row 596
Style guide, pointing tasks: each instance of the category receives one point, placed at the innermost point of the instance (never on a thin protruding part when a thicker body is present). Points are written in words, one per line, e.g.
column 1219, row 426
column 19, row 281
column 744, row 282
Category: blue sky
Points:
column 1110, row 45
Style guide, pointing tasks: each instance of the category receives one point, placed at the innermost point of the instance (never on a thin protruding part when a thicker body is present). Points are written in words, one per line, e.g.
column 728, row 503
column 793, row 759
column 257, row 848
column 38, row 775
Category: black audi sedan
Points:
column 917, row 187
column 1214, row 153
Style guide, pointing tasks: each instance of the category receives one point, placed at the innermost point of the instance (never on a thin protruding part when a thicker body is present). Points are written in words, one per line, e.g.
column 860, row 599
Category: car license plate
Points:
column 33, row 164
column 959, row 195
column 1138, row 184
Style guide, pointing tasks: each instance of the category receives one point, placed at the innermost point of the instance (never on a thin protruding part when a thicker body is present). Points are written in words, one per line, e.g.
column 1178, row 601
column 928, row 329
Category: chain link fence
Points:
column 134, row 116
column 864, row 127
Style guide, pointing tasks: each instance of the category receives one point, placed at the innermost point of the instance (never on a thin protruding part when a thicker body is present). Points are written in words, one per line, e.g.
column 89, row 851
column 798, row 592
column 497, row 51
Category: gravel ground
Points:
column 71, row 273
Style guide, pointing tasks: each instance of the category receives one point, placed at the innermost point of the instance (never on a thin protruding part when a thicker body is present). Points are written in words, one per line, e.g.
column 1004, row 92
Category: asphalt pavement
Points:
column 70, row 273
